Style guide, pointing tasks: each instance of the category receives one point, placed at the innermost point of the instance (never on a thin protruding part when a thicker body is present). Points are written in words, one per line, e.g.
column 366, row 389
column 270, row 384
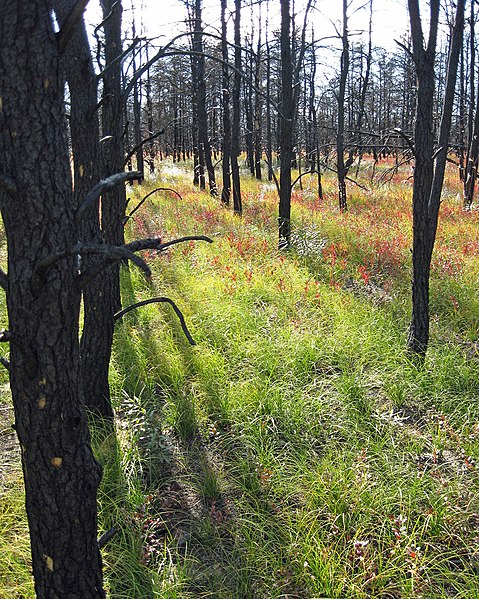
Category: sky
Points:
column 165, row 17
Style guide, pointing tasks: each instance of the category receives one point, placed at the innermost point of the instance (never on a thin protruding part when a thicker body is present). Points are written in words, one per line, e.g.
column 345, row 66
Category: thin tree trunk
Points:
column 98, row 324
column 286, row 127
column 226, row 146
column 202, row 118
column 235, row 129
column 257, row 110
column 269, row 136
column 340, row 166
column 428, row 179
column 113, row 203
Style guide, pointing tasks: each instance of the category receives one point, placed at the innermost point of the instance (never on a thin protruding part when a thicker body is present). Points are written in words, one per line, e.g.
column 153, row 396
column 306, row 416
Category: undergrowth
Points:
column 295, row 451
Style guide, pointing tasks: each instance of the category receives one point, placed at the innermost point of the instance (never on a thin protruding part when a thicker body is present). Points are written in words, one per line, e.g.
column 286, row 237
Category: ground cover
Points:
column 295, row 451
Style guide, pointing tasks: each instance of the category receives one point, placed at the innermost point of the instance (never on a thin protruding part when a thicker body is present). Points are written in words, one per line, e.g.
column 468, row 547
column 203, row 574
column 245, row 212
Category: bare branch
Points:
column 149, row 243
column 5, row 335
column 107, row 536
column 329, row 168
column 160, row 54
column 167, row 300
column 3, row 280
column 105, row 185
column 4, row 362
column 111, row 253
column 120, row 57
column 299, row 177
column 154, row 243
column 107, row 18
column 275, row 178
column 66, row 32
column 406, row 138
column 147, row 196
column 141, row 144
column 437, row 152
column 405, row 48
column 167, row 244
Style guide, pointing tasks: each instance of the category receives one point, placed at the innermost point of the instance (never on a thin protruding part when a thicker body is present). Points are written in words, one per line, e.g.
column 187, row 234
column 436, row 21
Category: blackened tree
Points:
column 43, row 300
column 291, row 63
column 199, row 99
column 429, row 163
column 235, row 125
column 225, row 103
column 343, row 77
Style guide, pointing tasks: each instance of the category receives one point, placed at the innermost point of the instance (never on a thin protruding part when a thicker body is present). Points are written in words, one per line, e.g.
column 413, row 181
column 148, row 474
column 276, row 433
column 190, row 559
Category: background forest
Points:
column 241, row 302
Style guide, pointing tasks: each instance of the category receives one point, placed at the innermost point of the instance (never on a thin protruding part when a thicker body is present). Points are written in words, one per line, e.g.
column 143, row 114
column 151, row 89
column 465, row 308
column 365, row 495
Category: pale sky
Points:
column 165, row 17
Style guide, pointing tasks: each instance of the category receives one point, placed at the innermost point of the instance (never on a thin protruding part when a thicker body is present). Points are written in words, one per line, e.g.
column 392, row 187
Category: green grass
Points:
column 295, row 451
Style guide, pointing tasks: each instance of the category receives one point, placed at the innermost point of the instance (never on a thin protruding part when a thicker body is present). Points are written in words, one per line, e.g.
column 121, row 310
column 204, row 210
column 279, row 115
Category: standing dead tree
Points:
column 430, row 162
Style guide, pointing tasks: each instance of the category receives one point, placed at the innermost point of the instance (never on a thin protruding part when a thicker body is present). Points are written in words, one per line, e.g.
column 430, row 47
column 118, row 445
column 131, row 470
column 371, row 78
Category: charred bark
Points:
column 226, row 145
column 235, row 129
column 61, row 475
column 428, row 175
column 98, row 324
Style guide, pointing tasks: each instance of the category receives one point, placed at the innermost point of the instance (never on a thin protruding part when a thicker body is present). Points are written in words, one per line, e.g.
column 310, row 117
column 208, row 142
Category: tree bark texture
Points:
column 61, row 475
column 235, row 126
column 198, row 64
column 286, row 127
column 113, row 203
column 429, row 165
column 225, row 99
column 343, row 76
column 98, row 322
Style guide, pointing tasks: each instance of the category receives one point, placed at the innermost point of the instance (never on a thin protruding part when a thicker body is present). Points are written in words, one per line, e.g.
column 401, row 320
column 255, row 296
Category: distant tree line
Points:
column 368, row 100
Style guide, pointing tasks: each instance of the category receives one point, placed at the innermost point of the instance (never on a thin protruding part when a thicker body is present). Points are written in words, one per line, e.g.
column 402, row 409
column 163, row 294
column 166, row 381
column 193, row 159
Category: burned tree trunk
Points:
column 235, row 129
column 430, row 165
column 341, row 167
column 286, row 127
column 113, row 147
column 98, row 324
column 225, row 99
column 61, row 475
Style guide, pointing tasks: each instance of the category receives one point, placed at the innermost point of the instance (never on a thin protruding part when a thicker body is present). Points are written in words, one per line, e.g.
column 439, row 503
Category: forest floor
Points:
column 295, row 451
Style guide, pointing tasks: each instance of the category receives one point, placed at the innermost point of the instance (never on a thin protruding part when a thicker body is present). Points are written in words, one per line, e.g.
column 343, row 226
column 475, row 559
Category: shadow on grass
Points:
column 199, row 487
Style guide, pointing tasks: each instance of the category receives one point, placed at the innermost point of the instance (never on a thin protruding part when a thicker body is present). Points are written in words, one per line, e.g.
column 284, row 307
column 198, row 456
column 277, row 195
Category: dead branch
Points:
column 406, row 138
column 167, row 244
column 167, row 300
column 105, row 185
column 299, row 177
column 329, row 168
column 5, row 335
column 111, row 253
column 107, row 536
column 275, row 178
column 149, row 243
column 141, row 144
column 120, row 57
column 107, row 18
column 3, row 280
column 147, row 196
column 4, row 362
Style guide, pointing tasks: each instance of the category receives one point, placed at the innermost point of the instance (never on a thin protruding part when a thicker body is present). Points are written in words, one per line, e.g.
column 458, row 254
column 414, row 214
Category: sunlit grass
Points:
column 295, row 451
